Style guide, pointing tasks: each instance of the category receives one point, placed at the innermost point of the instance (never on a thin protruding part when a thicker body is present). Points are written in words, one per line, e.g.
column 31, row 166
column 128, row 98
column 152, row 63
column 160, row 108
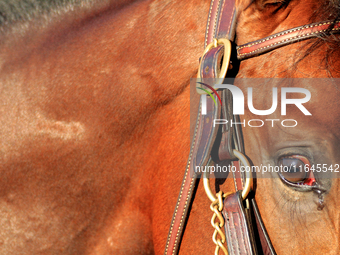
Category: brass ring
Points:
column 249, row 180
column 226, row 58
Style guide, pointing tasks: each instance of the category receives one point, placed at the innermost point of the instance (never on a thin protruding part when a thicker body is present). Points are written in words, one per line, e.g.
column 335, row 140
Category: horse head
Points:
column 95, row 124
column 291, row 214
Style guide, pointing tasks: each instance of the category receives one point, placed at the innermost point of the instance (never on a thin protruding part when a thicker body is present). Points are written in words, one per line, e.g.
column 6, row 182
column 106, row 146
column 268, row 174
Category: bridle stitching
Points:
column 286, row 32
column 181, row 225
column 244, row 243
column 286, row 40
column 208, row 25
column 180, row 196
column 229, row 232
column 220, row 17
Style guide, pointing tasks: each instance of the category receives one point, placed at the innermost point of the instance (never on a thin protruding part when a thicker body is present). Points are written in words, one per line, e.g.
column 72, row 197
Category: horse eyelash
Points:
column 278, row 3
column 275, row 2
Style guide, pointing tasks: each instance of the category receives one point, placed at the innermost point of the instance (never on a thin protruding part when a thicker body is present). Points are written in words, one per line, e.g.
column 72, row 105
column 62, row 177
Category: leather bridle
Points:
column 244, row 227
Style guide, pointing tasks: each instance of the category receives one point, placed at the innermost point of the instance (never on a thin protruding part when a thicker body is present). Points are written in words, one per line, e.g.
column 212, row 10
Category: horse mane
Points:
column 22, row 10
column 18, row 10
column 12, row 11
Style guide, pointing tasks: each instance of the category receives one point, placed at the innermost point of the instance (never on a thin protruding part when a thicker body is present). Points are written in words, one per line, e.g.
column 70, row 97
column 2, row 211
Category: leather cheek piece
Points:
column 237, row 228
column 241, row 235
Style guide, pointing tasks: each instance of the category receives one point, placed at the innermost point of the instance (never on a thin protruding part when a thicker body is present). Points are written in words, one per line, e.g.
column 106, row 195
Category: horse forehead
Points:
column 254, row 23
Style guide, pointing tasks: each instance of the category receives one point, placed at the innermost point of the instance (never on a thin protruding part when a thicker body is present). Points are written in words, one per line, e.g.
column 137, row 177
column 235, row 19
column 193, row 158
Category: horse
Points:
column 95, row 132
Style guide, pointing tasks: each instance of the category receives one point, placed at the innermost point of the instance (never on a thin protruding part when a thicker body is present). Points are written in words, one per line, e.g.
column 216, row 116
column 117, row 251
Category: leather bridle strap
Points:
column 238, row 229
column 286, row 37
column 220, row 22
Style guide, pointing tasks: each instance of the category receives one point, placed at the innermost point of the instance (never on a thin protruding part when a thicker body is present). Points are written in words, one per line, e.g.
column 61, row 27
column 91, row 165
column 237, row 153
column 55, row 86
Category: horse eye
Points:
column 276, row 4
column 294, row 168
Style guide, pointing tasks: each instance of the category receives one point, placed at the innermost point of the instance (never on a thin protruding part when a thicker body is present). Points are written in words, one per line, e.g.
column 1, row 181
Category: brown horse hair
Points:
column 330, row 10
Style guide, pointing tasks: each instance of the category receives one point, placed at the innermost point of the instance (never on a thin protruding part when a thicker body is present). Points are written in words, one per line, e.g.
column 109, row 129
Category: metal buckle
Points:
column 226, row 59
column 248, row 184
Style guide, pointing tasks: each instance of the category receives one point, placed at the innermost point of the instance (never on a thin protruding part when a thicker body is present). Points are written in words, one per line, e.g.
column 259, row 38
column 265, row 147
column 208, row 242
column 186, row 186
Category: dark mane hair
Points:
column 13, row 11
column 16, row 10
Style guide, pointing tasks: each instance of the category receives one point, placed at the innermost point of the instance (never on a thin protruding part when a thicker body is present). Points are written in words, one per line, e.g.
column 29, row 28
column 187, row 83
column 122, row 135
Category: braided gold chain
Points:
column 218, row 237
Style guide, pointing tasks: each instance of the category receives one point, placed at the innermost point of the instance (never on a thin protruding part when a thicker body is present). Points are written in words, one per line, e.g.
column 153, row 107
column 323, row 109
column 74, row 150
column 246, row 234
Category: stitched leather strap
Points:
column 221, row 20
column 221, row 24
column 205, row 132
column 286, row 37
column 181, row 213
column 237, row 228
column 204, row 138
